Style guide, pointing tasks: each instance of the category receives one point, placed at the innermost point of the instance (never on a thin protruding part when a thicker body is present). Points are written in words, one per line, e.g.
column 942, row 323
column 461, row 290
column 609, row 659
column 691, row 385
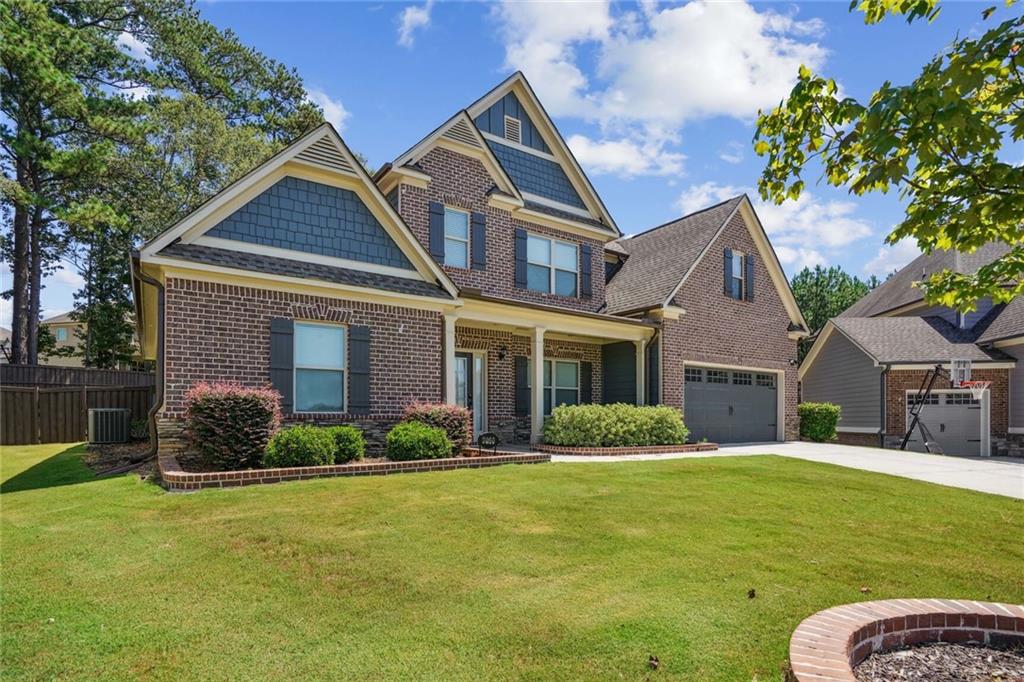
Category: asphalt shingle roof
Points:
column 287, row 267
column 1008, row 322
column 660, row 258
column 898, row 290
column 914, row 340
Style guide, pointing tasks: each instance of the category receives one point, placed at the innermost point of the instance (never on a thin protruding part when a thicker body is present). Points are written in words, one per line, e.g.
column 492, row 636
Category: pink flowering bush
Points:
column 229, row 425
column 456, row 421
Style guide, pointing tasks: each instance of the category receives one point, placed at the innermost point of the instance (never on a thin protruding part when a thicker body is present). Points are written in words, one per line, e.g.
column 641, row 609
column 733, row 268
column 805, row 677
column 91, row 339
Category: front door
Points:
column 468, row 389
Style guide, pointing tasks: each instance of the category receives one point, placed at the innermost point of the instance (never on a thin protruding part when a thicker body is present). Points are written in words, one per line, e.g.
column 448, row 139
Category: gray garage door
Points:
column 954, row 420
column 728, row 406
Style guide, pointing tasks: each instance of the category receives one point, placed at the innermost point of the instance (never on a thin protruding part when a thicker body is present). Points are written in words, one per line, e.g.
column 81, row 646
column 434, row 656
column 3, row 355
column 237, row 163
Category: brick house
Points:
column 873, row 358
column 480, row 250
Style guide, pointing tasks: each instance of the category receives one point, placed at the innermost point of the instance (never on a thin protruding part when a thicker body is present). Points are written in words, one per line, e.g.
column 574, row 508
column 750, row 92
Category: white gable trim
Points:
column 517, row 84
column 308, row 158
column 518, row 145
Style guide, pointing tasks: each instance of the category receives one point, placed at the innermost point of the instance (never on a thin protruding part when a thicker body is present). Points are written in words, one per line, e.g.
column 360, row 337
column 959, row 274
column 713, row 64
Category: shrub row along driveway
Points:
column 546, row 571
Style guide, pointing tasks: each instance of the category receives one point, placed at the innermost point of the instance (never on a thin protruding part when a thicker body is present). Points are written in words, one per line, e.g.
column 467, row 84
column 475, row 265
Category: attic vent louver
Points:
column 324, row 154
column 462, row 133
column 512, row 129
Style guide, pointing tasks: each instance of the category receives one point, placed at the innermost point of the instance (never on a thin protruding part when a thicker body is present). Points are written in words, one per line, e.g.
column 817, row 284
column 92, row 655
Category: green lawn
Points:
column 540, row 572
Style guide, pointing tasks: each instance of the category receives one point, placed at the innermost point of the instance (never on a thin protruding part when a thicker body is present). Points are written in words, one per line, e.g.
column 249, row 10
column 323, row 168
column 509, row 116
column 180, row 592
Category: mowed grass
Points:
column 539, row 572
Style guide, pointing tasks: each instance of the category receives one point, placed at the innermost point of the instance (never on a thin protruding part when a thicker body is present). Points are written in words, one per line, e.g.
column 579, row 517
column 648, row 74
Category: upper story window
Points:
column 456, row 238
column 61, row 333
column 552, row 266
column 319, row 367
column 738, row 276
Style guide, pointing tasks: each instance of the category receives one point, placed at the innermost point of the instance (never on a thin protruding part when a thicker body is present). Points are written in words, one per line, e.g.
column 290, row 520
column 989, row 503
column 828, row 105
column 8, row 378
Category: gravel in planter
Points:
column 941, row 662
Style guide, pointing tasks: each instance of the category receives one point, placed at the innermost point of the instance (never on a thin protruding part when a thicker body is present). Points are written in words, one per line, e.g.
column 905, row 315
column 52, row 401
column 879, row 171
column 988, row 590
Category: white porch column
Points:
column 641, row 384
column 986, row 424
column 537, row 386
column 449, row 357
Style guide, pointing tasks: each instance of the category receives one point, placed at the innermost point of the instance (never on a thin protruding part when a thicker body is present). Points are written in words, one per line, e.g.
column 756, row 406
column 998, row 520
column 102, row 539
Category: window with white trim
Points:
column 742, row 378
column 319, row 366
column 456, row 238
column 717, row 376
column 61, row 333
column 961, row 399
column 930, row 399
column 693, row 375
column 766, row 380
column 738, row 275
column 561, row 383
column 552, row 266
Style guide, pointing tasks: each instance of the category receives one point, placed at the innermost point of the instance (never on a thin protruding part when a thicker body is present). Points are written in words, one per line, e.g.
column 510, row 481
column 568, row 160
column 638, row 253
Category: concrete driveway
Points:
column 998, row 476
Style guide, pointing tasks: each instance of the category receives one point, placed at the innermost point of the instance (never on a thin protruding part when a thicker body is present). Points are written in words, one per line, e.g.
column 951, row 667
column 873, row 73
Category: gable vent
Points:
column 512, row 129
column 460, row 132
column 323, row 153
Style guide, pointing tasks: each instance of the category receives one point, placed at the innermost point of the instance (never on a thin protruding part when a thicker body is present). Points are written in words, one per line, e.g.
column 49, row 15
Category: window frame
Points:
column 551, row 267
column 741, row 258
column 717, row 376
column 693, row 375
column 465, row 242
column 553, row 388
column 296, row 366
column 60, row 334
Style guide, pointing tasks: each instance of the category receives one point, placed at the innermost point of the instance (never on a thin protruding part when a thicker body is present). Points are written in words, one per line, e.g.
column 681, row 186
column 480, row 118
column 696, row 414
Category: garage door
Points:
column 726, row 406
column 954, row 420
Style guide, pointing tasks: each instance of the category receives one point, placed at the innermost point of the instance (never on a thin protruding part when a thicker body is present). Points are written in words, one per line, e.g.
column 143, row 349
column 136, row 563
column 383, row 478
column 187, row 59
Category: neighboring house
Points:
column 5, row 345
column 67, row 333
column 471, row 269
column 872, row 359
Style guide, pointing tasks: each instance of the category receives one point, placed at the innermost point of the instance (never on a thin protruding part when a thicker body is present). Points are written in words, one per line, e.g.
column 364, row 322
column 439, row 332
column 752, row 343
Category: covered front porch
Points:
column 489, row 352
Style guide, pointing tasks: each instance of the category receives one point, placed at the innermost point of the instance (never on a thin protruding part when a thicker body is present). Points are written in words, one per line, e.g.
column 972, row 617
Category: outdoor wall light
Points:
column 502, row 352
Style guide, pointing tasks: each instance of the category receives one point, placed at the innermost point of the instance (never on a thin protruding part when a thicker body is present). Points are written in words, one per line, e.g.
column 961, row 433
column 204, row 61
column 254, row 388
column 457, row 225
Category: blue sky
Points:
column 657, row 100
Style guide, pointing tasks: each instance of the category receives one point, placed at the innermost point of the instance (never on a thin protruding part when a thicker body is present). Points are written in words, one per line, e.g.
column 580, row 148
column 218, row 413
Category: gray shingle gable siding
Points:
column 493, row 121
column 310, row 217
column 536, row 175
column 844, row 375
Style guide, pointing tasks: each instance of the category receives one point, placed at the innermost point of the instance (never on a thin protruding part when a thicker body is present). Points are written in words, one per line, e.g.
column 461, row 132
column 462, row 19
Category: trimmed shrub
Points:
column 818, row 421
column 349, row 443
column 617, row 425
column 455, row 420
column 229, row 425
column 300, row 446
column 415, row 440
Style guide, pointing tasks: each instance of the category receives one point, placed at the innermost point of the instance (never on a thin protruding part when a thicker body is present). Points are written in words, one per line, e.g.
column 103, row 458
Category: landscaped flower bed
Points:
column 617, row 429
column 629, row 450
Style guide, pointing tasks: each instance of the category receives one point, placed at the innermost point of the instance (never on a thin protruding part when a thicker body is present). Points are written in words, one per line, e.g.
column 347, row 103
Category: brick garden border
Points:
column 639, row 450
column 828, row 645
column 177, row 480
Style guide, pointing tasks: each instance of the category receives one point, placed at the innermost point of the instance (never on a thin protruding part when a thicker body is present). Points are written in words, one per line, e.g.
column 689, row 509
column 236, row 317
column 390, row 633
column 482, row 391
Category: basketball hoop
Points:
column 977, row 388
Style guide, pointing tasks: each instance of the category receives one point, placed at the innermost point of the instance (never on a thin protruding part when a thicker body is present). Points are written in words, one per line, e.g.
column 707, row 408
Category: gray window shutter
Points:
column 520, row 258
column 437, row 231
column 748, row 263
column 478, row 239
column 359, row 369
column 282, row 336
column 586, row 280
column 522, row 386
column 586, row 383
column 728, row 272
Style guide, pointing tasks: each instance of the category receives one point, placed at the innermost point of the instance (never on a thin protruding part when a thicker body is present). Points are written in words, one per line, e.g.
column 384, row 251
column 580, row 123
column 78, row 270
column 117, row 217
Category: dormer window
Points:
column 513, row 130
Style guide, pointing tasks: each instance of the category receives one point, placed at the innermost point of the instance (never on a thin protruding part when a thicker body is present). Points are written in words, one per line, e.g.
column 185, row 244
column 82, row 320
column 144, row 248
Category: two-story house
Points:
column 479, row 267
column 873, row 358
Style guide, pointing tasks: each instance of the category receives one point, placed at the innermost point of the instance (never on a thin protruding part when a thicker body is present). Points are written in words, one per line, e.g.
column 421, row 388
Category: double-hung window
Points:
column 319, row 367
column 552, row 266
column 738, row 276
column 456, row 238
column 561, row 383
column 61, row 334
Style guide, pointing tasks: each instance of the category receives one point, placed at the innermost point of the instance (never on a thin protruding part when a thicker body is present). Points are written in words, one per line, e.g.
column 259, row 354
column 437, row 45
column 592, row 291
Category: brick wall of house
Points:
column 501, row 374
column 719, row 329
column 463, row 182
column 898, row 382
column 221, row 332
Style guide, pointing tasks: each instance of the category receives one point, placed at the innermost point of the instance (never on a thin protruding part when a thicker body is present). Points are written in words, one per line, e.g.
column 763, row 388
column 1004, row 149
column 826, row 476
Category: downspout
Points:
column 881, row 409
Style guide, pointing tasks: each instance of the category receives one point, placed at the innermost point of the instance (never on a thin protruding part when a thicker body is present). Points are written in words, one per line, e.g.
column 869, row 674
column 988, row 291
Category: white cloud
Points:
column 795, row 259
column 731, row 153
column 133, row 46
column 624, row 157
column 411, row 19
column 334, row 111
column 66, row 275
column 891, row 258
column 696, row 197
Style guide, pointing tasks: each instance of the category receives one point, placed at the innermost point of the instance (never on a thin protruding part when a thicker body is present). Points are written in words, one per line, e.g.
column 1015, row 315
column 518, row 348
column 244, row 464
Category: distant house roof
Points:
column 898, row 290
column 914, row 340
column 1007, row 322
column 660, row 258
column 287, row 267
column 63, row 318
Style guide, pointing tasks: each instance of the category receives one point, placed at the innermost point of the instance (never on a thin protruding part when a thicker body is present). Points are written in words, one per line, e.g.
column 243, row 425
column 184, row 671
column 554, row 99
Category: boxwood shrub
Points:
column 457, row 421
column 818, row 421
column 349, row 443
column 300, row 446
column 415, row 440
column 229, row 425
column 617, row 425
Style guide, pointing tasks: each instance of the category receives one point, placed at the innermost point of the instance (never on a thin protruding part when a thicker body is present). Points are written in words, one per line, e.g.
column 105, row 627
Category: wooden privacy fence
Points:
column 59, row 414
column 43, row 375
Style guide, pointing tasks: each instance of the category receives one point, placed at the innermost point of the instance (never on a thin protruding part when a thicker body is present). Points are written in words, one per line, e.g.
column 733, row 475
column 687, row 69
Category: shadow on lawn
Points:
column 64, row 468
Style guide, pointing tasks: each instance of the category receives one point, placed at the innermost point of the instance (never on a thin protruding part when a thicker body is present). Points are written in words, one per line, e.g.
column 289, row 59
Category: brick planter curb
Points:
column 177, row 480
column 828, row 645
column 639, row 450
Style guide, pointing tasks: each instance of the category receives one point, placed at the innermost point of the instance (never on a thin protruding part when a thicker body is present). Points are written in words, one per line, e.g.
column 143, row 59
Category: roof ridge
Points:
column 681, row 218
